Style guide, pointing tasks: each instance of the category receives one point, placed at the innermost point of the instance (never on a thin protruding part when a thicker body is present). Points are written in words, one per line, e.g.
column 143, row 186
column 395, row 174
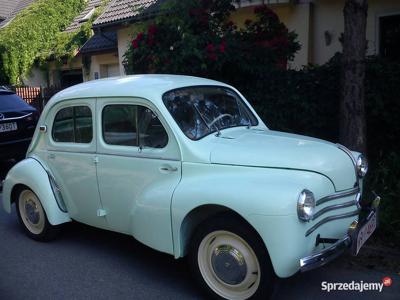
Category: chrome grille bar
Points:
column 338, row 195
column 16, row 118
column 332, row 218
column 333, row 207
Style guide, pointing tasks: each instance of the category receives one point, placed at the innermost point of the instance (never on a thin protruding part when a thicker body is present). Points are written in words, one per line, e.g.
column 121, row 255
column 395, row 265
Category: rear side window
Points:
column 133, row 125
column 73, row 125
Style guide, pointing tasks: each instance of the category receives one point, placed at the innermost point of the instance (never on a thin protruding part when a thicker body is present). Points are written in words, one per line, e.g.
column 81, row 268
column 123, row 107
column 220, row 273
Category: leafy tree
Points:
column 36, row 35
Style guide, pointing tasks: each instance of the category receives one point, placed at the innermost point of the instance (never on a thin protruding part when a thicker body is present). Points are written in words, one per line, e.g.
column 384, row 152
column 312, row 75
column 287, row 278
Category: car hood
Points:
column 272, row 149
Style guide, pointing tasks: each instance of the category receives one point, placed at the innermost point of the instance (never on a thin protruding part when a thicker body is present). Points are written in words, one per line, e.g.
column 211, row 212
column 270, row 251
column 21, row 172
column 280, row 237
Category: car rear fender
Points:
column 29, row 172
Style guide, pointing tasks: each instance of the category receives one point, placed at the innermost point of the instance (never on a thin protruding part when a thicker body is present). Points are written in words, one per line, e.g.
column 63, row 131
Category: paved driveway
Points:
column 87, row 263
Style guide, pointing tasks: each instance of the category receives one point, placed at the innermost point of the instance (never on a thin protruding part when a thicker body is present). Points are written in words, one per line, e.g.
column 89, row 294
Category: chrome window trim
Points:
column 333, row 207
column 332, row 218
column 338, row 195
column 16, row 118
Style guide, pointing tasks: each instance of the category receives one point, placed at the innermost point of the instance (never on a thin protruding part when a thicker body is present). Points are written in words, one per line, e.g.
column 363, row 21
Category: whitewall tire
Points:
column 230, row 261
column 33, row 217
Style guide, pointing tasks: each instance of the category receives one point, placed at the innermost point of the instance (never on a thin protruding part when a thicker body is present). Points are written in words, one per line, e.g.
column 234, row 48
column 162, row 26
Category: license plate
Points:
column 365, row 232
column 8, row 127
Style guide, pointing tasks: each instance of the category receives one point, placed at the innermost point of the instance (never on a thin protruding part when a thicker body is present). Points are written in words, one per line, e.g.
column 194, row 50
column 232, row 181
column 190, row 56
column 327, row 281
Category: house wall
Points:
column 328, row 16
column 55, row 68
column 36, row 77
column 101, row 66
column 316, row 22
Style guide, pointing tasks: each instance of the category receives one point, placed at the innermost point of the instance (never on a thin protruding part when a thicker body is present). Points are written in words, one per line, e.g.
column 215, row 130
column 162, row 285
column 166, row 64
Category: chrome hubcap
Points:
column 31, row 211
column 229, row 264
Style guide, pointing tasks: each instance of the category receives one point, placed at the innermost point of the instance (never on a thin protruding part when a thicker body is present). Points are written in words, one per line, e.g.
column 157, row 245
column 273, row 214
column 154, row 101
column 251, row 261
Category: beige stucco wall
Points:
column 328, row 16
column 36, row 77
column 314, row 20
column 97, row 61
column 54, row 69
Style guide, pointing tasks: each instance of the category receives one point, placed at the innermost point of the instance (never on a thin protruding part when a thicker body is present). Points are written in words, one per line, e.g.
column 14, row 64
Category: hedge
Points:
column 307, row 102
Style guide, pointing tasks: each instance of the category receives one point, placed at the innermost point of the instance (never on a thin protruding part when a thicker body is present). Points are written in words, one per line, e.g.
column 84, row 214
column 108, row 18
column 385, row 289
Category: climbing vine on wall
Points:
column 35, row 35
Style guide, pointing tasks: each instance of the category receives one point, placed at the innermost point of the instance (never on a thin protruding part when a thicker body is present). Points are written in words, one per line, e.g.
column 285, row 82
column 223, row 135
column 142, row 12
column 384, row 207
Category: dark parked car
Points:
column 17, row 125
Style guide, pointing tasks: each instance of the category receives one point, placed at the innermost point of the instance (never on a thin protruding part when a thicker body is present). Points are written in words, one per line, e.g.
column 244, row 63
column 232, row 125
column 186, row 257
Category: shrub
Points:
column 307, row 102
column 197, row 38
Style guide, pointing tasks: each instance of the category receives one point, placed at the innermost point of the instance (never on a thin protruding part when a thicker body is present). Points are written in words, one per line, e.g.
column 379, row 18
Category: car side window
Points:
column 73, row 125
column 151, row 132
column 132, row 125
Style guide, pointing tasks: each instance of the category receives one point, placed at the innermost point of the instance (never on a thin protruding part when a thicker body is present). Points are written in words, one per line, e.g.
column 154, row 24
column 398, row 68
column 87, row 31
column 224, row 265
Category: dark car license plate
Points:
column 5, row 127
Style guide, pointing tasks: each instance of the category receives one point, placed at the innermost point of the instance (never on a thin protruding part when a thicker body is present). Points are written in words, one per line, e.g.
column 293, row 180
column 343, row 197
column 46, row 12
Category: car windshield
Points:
column 200, row 111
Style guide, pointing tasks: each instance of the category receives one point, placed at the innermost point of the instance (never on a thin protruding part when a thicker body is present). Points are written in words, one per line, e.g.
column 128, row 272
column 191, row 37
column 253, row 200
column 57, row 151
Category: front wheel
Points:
column 230, row 261
column 33, row 218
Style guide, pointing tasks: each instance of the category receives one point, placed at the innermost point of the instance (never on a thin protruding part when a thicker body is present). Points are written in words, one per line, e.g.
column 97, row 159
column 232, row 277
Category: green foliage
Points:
column 384, row 179
column 198, row 38
column 34, row 33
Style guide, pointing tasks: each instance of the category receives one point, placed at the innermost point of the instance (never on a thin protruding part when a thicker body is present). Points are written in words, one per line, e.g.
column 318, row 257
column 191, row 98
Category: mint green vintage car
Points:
column 187, row 167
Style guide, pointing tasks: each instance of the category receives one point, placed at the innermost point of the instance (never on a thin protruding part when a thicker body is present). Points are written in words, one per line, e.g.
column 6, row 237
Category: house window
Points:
column 110, row 70
column 389, row 31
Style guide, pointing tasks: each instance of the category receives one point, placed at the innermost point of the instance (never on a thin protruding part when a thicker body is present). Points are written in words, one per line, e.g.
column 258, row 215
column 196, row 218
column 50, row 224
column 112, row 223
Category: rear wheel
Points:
column 33, row 218
column 230, row 261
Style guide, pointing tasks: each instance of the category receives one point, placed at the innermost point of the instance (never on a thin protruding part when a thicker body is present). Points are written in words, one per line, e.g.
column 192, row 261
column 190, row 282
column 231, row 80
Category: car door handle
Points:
column 51, row 156
column 168, row 169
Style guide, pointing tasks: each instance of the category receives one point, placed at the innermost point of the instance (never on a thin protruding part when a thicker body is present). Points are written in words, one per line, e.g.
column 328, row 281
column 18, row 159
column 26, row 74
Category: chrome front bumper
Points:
column 339, row 246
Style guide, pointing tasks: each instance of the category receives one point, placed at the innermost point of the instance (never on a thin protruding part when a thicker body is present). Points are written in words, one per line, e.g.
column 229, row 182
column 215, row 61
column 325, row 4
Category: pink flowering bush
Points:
column 198, row 38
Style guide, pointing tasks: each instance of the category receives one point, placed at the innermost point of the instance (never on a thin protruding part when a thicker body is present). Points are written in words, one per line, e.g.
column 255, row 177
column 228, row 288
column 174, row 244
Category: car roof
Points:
column 144, row 86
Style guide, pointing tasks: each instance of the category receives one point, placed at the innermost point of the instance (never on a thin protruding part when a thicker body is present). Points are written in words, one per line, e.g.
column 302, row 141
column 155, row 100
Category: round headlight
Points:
column 362, row 165
column 306, row 205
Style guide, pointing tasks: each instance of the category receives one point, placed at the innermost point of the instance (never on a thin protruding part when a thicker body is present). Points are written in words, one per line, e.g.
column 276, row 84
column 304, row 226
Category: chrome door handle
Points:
column 51, row 156
column 168, row 169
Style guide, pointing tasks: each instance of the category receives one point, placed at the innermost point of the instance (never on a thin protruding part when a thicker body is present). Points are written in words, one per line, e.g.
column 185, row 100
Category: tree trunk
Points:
column 352, row 110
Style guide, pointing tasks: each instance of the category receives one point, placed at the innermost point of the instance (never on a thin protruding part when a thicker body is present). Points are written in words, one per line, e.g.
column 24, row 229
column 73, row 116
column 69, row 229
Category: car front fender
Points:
column 29, row 172
column 247, row 191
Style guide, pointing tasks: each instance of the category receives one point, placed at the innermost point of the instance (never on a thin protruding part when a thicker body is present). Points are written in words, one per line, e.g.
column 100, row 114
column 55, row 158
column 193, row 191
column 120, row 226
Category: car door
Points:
column 71, row 148
column 138, row 170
